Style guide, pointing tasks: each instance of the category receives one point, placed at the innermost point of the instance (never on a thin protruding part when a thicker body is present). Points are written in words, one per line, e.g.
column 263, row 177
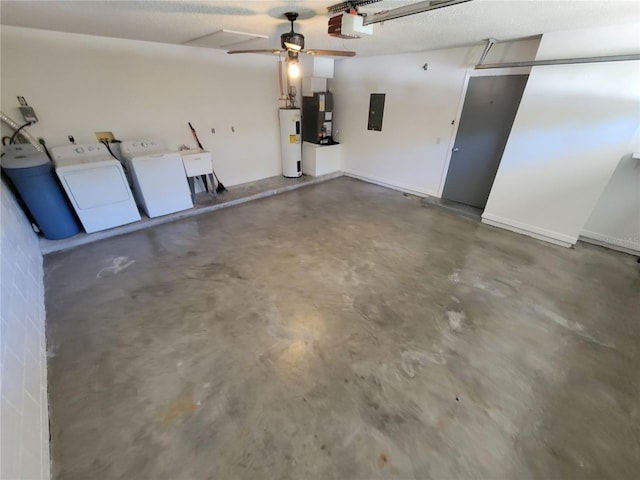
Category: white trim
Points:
column 399, row 187
column 454, row 134
column 465, row 85
column 619, row 244
column 529, row 230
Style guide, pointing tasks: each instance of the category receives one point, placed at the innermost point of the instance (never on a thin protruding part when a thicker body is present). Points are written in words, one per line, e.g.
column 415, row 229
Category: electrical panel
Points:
column 376, row 109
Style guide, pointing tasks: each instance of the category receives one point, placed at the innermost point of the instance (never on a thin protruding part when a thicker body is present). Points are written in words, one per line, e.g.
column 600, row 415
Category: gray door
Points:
column 489, row 109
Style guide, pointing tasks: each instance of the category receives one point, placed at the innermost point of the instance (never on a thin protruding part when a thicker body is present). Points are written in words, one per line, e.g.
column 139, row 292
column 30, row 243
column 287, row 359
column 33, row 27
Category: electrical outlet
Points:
column 105, row 137
column 29, row 114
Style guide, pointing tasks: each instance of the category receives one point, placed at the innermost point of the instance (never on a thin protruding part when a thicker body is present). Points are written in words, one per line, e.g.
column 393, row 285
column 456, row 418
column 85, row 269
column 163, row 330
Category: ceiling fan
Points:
column 293, row 43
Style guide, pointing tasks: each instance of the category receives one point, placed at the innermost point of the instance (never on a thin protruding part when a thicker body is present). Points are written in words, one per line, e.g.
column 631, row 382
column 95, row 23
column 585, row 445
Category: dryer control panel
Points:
column 77, row 154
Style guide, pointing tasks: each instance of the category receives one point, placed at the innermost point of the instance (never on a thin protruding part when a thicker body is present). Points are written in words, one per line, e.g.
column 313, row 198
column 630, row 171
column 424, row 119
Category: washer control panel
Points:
column 137, row 148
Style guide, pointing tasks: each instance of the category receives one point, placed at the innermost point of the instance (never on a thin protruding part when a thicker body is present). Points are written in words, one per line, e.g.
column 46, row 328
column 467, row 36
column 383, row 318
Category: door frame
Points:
column 471, row 72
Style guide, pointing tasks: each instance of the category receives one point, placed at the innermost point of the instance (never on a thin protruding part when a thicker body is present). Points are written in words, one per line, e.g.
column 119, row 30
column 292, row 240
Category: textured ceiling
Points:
column 179, row 21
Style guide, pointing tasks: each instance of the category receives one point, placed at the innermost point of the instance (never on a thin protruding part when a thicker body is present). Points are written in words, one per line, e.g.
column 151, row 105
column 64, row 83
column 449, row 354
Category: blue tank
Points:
column 32, row 174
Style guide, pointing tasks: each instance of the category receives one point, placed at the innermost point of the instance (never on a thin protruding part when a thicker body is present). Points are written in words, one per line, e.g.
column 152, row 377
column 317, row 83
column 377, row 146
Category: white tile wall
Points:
column 24, row 422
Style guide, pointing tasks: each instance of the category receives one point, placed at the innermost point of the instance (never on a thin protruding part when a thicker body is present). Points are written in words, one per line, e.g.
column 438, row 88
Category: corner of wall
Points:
column 24, row 442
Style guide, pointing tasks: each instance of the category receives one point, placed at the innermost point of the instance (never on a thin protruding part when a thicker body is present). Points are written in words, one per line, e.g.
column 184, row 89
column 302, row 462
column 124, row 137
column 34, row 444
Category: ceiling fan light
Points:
column 292, row 46
column 293, row 69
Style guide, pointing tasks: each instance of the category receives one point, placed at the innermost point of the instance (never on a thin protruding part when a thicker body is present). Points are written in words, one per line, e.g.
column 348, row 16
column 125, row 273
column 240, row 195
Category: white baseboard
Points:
column 619, row 244
column 529, row 230
column 394, row 186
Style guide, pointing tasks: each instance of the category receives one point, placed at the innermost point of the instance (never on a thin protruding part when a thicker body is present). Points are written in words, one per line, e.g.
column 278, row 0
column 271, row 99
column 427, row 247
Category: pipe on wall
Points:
column 23, row 133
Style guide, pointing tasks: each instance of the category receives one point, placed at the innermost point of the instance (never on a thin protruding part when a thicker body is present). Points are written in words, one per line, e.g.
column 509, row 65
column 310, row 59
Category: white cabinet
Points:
column 320, row 159
column 313, row 66
column 311, row 85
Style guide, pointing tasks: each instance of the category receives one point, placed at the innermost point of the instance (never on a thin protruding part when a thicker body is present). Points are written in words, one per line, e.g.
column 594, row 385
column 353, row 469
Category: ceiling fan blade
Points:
column 272, row 51
column 333, row 53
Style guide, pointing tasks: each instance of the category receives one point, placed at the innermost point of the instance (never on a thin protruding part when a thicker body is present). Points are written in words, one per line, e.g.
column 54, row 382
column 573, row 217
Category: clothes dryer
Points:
column 96, row 186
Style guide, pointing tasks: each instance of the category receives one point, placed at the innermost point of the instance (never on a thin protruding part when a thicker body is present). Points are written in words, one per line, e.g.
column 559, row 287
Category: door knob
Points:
column 456, row 149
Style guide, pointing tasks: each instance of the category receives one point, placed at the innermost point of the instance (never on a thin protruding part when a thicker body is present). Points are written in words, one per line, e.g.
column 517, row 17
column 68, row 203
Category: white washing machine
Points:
column 96, row 186
column 158, row 177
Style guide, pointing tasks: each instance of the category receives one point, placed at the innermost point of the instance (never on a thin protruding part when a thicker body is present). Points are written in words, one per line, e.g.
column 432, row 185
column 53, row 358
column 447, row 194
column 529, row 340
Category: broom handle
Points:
column 195, row 135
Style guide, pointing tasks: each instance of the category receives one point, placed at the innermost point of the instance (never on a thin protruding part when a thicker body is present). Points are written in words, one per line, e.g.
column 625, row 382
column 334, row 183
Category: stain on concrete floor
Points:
column 341, row 331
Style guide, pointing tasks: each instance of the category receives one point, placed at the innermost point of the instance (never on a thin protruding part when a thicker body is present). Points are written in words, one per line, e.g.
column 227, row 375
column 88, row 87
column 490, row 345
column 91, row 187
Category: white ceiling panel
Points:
column 225, row 39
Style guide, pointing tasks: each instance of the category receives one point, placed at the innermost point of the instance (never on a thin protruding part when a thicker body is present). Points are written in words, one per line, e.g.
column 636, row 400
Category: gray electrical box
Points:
column 376, row 109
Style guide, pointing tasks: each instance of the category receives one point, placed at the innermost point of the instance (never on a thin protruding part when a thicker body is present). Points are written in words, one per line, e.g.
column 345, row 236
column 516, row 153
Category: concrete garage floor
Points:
column 341, row 331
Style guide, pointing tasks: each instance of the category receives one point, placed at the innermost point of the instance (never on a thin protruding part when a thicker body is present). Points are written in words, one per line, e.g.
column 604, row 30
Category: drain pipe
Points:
column 23, row 133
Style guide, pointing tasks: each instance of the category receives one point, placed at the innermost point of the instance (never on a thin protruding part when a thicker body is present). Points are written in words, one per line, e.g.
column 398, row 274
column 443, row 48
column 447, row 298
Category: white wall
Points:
column 615, row 220
column 574, row 124
column 81, row 84
column 24, row 416
column 413, row 148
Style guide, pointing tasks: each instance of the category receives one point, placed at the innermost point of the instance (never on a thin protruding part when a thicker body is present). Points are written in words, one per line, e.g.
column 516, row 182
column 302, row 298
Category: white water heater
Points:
column 291, row 142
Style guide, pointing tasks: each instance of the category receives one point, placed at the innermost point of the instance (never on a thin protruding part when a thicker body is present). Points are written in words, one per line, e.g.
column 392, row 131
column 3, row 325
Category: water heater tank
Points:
column 291, row 142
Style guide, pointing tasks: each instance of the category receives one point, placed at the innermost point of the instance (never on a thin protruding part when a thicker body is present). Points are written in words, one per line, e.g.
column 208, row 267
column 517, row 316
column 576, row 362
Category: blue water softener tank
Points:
column 32, row 174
